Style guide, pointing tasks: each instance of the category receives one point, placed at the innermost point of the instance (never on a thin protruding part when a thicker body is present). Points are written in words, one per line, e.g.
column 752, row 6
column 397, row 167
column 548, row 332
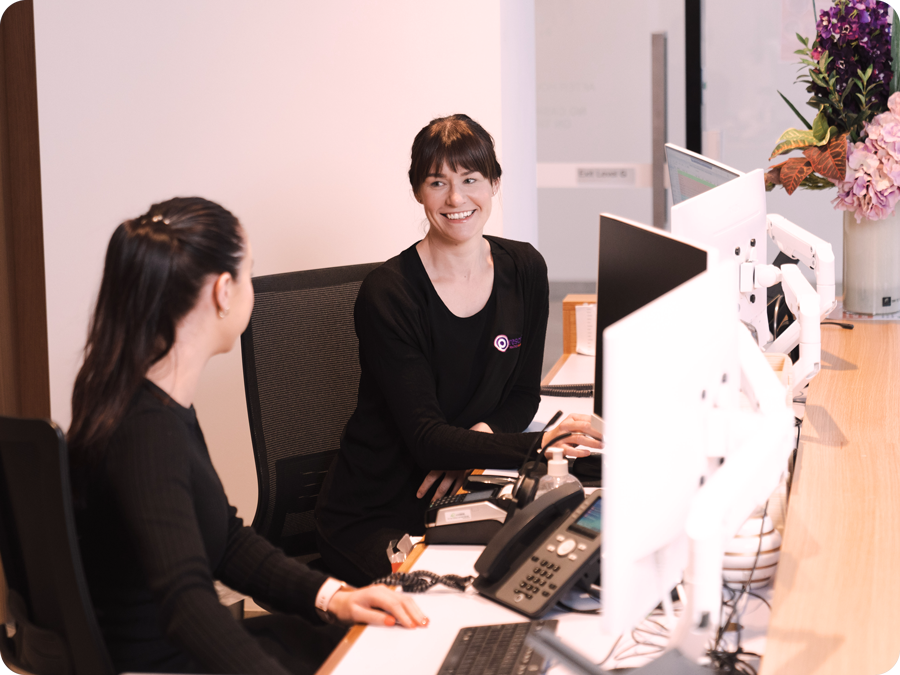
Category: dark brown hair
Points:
column 155, row 266
column 458, row 141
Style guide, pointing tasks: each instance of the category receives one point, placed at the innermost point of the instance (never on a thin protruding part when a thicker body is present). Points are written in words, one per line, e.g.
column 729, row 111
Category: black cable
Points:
column 578, row 611
column 759, row 597
column 731, row 662
column 847, row 326
column 421, row 580
column 568, row 390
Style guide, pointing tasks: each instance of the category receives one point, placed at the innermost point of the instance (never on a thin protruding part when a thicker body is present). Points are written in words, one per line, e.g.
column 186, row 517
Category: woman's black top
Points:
column 155, row 529
column 427, row 376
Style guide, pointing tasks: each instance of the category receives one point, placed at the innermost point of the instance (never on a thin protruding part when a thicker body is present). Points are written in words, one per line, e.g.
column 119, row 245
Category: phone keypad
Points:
column 448, row 500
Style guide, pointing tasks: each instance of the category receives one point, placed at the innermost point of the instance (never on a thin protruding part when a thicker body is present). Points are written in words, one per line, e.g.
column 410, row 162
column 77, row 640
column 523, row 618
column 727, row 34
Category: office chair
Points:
column 55, row 630
column 301, row 376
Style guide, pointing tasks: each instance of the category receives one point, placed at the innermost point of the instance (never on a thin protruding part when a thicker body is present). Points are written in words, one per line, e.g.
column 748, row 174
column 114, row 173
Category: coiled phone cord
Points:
column 421, row 580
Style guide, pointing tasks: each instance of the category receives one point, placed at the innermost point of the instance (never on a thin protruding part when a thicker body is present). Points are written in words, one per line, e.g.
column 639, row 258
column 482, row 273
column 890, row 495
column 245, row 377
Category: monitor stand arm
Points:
column 804, row 304
column 762, row 440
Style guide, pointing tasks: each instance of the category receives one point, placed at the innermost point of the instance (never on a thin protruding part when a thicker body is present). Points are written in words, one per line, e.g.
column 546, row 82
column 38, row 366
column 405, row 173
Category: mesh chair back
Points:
column 56, row 631
column 301, row 377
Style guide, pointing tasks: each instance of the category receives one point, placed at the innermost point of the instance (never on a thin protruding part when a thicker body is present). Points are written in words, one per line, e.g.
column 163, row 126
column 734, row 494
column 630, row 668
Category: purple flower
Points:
column 857, row 35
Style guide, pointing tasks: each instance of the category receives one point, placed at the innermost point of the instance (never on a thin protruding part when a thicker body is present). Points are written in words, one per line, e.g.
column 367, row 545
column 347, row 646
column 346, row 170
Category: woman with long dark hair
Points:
column 451, row 343
column 154, row 523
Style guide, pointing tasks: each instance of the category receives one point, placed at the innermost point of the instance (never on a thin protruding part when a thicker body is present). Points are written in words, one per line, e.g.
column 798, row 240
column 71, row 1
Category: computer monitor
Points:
column 637, row 264
column 691, row 174
column 664, row 365
column 732, row 219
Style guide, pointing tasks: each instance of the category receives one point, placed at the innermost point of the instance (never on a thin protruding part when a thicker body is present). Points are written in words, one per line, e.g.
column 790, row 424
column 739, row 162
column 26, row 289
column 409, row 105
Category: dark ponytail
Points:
column 155, row 267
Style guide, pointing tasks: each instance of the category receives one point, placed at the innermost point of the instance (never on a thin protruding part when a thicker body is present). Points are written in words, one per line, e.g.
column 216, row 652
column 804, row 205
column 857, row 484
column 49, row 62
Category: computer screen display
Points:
column 637, row 264
column 691, row 174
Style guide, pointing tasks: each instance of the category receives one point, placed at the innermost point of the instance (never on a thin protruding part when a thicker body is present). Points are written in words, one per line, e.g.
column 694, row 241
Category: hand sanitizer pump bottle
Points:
column 557, row 473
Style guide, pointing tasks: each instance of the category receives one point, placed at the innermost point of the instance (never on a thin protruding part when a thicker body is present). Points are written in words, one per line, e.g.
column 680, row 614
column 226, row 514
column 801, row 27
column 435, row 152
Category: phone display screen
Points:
column 481, row 495
column 590, row 522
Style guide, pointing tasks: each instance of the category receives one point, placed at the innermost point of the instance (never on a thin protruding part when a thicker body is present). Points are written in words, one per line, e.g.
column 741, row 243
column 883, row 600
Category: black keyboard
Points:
column 495, row 650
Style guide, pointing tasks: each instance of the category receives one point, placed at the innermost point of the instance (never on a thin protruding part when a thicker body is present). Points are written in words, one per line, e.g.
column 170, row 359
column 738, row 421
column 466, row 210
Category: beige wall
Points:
column 297, row 116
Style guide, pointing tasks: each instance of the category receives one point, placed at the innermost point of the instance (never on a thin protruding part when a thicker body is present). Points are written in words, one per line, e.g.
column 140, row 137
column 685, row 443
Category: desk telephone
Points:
column 545, row 549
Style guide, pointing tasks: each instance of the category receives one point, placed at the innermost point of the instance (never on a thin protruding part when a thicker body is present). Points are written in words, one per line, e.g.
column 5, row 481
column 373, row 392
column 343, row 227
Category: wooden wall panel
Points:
column 24, row 363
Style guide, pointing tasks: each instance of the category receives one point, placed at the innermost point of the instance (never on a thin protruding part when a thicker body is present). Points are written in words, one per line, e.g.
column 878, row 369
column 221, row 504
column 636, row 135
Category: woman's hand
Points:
column 583, row 434
column 376, row 605
column 454, row 479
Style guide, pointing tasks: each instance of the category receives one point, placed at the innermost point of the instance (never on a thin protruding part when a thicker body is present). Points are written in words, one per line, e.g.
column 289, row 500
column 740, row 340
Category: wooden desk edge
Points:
column 554, row 370
column 353, row 634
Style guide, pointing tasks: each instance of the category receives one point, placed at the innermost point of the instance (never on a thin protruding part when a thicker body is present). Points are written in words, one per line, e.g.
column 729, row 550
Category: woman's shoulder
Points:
column 522, row 253
column 395, row 280
column 151, row 430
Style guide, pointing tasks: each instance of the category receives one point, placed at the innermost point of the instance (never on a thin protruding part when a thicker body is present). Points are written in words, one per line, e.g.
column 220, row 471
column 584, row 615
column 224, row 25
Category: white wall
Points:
column 593, row 98
column 297, row 116
column 593, row 93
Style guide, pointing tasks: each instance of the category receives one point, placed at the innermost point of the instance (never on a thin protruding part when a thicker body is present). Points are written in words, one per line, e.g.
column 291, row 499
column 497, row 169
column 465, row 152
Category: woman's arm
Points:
column 150, row 477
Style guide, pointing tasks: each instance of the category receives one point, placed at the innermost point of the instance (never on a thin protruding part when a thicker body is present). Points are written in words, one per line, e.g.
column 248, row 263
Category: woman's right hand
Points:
column 583, row 434
column 377, row 605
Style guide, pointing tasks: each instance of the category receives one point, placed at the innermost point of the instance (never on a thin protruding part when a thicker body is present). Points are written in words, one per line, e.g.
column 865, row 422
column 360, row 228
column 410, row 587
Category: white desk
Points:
column 376, row 650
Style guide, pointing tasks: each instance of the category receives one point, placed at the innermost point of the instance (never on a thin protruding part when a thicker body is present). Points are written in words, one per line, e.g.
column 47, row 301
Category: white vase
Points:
column 872, row 264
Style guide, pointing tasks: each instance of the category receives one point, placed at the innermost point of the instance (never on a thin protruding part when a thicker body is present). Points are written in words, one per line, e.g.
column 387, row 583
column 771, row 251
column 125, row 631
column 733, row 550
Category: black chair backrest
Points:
column 56, row 630
column 301, row 378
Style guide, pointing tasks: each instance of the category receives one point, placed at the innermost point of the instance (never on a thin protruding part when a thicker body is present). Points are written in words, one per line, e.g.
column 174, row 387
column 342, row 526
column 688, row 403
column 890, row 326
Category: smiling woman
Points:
column 451, row 340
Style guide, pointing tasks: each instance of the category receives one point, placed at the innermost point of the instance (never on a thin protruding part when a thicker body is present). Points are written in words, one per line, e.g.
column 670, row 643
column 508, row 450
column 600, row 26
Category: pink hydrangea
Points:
column 871, row 188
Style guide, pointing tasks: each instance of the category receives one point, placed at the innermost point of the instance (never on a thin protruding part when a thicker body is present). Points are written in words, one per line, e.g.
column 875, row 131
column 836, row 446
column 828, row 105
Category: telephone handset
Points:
column 542, row 551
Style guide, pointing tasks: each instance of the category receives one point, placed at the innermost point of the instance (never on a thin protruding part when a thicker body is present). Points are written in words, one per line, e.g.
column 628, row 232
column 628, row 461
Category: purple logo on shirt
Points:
column 502, row 343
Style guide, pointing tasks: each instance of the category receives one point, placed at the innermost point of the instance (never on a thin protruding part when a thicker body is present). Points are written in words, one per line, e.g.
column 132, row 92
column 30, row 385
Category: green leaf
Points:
column 793, row 139
column 862, row 99
column 803, row 40
column 820, row 128
column 818, row 80
column 895, row 53
column 796, row 112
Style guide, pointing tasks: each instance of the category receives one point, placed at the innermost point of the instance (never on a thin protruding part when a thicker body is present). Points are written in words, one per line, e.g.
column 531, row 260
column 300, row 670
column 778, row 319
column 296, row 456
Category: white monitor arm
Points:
column 806, row 331
column 810, row 250
column 763, row 440
column 808, row 305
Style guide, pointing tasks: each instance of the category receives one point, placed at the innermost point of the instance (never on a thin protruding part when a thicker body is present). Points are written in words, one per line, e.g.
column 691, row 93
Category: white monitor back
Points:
column 731, row 218
column 665, row 366
column 691, row 174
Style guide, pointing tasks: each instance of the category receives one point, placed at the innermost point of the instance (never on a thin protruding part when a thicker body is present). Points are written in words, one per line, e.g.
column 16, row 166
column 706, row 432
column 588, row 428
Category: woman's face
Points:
column 457, row 204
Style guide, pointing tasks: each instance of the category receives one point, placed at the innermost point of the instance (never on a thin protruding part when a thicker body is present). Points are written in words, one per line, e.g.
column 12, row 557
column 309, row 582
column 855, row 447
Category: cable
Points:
column 615, row 644
column 421, row 580
column 847, row 326
column 724, row 660
column 568, row 390
column 578, row 611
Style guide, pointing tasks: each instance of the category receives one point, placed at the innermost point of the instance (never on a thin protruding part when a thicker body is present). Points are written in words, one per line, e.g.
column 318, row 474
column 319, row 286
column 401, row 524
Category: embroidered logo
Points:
column 502, row 343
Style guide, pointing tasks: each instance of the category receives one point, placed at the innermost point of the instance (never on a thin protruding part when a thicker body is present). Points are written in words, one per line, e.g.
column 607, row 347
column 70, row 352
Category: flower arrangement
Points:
column 848, row 72
column 871, row 189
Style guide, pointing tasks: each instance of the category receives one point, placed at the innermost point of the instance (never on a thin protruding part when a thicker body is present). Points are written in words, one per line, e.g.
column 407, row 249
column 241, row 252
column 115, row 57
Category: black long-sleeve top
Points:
column 427, row 376
column 155, row 528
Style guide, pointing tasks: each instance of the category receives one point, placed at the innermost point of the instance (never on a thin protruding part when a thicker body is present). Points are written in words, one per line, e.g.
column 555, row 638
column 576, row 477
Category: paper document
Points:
column 585, row 327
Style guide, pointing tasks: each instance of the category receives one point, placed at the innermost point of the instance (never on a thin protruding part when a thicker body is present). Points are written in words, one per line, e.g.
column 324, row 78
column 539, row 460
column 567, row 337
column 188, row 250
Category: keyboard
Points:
column 495, row 650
